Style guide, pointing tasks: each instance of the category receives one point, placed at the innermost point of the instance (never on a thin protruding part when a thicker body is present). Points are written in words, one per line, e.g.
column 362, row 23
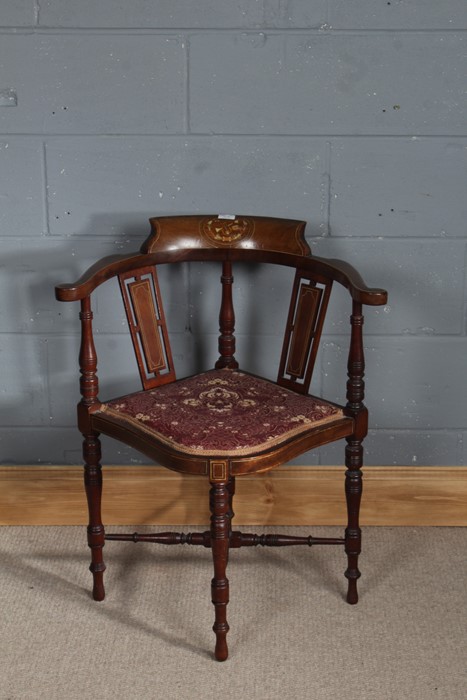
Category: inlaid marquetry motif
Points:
column 226, row 232
column 218, row 471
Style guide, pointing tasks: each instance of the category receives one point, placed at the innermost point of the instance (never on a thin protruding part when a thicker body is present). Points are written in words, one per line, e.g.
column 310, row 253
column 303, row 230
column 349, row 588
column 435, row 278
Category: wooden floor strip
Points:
column 286, row 496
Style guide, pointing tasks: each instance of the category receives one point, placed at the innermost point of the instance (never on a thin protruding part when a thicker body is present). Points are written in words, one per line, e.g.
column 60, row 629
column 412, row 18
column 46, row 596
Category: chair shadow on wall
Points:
column 29, row 277
column 30, row 280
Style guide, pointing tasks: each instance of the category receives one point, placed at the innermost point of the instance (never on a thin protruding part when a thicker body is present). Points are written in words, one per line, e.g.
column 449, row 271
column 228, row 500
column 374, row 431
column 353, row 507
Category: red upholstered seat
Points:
column 221, row 412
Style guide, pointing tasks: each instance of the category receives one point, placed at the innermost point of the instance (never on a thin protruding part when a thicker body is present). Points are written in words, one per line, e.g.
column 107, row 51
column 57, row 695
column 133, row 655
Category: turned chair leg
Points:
column 220, row 505
column 96, row 534
column 353, row 535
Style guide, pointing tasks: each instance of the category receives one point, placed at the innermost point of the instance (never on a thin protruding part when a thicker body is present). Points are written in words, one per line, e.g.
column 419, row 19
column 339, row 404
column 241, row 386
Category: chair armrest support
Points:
column 89, row 383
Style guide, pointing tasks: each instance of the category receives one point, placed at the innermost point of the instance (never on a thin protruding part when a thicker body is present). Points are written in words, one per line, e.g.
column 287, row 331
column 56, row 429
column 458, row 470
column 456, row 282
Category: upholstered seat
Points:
column 221, row 413
column 223, row 422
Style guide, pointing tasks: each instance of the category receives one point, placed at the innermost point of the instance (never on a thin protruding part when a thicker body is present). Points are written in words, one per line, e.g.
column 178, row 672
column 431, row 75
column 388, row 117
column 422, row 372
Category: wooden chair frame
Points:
column 226, row 240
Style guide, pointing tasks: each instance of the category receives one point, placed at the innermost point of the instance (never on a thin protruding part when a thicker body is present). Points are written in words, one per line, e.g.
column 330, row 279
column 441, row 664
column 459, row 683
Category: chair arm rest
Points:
column 102, row 270
column 348, row 276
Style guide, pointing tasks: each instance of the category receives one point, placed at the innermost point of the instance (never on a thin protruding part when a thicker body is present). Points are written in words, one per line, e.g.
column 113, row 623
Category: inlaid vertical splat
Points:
column 308, row 305
column 309, row 299
column 145, row 315
column 146, row 318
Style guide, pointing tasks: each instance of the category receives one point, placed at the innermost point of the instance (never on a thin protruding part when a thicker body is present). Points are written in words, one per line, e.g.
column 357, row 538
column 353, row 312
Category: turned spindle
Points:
column 227, row 321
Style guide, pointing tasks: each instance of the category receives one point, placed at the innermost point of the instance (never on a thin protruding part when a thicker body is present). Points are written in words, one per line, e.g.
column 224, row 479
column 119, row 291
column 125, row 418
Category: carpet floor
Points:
column 292, row 634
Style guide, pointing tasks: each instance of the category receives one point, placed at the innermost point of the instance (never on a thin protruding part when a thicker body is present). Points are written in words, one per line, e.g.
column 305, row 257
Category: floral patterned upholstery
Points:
column 228, row 412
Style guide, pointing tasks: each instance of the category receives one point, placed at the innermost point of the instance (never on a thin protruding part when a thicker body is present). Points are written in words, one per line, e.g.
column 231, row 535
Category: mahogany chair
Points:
column 223, row 422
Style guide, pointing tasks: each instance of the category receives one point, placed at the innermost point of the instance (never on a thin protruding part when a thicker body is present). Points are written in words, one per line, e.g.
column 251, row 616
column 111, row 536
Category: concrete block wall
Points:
column 349, row 115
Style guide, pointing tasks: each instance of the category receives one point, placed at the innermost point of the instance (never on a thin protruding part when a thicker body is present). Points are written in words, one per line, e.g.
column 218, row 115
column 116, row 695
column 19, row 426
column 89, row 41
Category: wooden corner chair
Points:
column 223, row 422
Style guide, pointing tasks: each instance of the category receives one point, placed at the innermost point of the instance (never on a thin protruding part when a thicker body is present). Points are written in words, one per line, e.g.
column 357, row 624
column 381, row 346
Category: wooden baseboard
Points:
column 285, row 496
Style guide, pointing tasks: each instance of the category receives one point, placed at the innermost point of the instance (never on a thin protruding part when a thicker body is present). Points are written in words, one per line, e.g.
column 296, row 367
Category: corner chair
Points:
column 223, row 422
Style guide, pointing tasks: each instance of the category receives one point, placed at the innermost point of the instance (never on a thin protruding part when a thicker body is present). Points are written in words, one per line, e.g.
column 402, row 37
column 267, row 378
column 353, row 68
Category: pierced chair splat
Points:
column 223, row 422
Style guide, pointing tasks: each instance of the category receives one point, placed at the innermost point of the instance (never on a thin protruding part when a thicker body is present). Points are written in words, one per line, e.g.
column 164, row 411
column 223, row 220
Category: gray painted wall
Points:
column 351, row 115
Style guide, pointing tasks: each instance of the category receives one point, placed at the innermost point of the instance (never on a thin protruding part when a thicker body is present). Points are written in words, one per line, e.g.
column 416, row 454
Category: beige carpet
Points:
column 292, row 635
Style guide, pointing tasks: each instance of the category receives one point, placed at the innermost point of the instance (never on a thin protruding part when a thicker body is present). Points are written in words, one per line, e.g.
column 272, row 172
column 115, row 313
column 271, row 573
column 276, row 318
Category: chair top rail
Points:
column 226, row 231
